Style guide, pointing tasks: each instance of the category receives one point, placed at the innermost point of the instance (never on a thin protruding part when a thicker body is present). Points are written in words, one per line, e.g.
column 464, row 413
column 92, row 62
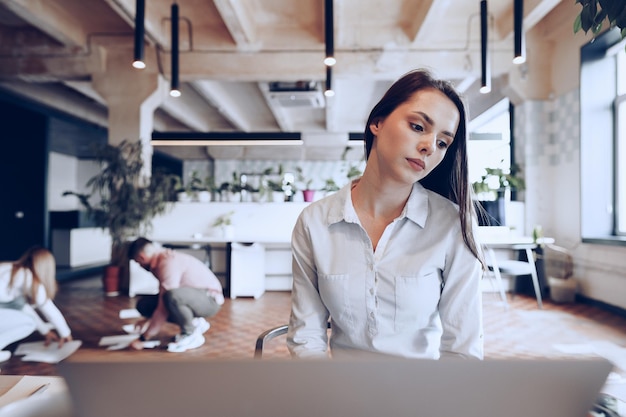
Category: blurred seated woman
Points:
column 28, row 285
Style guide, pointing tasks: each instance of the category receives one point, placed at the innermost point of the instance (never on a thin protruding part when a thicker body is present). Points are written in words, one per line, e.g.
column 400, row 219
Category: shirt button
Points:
column 372, row 291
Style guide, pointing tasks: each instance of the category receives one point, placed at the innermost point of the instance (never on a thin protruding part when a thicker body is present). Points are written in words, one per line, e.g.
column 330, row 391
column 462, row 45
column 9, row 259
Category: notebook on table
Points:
column 336, row 388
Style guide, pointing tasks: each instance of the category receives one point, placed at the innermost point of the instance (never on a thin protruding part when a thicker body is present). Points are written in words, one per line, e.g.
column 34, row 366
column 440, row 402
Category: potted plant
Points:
column 209, row 184
column 495, row 181
column 122, row 199
column 225, row 223
column 183, row 194
column 330, row 186
column 198, row 188
column 308, row 193
column 277, row 193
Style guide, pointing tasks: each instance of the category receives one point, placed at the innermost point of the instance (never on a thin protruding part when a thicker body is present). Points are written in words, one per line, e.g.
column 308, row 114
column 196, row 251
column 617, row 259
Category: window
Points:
column 490, row 141
column 620, row 140
column 603, row 140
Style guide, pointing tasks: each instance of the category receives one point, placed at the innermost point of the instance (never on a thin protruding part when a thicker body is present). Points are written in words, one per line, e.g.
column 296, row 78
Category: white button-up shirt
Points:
column 417, row 295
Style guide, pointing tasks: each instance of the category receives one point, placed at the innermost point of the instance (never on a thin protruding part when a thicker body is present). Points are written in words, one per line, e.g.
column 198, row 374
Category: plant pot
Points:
column 228, row 231
column 183, row 197
column 204, row 196
column 278, row 196
column 308, row 195
column 111, row 281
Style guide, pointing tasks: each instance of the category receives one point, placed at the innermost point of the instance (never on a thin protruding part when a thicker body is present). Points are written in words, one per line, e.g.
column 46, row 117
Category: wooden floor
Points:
column 521, row 331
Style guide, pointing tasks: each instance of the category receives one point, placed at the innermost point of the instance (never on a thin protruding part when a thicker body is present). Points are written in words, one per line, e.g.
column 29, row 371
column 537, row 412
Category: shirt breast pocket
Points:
column 335, row 294
column 417, row 297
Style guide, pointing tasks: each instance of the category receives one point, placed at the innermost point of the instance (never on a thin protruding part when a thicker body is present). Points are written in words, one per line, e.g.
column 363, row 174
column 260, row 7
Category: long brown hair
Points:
column 450, row 178
column 40, row 262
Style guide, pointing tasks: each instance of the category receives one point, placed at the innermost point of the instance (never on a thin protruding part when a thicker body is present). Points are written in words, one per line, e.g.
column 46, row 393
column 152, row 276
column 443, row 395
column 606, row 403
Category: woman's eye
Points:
column 442, row 144
column 417, row 127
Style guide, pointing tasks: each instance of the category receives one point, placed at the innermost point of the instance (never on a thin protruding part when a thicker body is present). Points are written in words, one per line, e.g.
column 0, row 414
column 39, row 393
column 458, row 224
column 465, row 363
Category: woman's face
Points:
column 414, row 138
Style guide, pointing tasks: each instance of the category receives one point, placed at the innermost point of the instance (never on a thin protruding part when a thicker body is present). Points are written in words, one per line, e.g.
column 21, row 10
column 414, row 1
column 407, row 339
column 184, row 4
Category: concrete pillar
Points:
column 132, row 96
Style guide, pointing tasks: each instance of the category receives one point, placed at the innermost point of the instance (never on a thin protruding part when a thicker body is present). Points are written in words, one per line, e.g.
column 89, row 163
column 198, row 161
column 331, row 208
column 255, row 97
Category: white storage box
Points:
column 562, row 290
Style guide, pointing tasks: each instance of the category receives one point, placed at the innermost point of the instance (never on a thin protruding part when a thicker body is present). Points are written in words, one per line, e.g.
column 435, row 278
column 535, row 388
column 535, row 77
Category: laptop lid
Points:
column 339, row 388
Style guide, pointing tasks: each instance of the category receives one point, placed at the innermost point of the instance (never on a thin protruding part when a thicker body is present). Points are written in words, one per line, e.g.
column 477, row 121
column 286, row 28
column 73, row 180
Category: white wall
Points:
column 67, row 173
column 63, row 176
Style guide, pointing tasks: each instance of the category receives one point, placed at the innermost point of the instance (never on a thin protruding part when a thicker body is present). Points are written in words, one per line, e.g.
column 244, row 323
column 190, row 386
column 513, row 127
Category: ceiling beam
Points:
column 51, row 19
column 239, row 23
column 534, row 11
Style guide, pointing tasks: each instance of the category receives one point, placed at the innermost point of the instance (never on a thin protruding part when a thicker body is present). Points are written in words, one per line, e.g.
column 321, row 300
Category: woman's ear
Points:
column 374, row 126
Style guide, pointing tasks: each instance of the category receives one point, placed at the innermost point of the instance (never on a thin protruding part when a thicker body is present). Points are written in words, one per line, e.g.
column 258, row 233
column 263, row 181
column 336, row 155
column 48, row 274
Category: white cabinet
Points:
column 247, row 270
column 81, row 246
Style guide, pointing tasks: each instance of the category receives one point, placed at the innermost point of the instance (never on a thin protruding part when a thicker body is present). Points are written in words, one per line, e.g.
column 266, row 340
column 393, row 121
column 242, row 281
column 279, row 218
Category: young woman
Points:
column 26, row 284
column 390, row 259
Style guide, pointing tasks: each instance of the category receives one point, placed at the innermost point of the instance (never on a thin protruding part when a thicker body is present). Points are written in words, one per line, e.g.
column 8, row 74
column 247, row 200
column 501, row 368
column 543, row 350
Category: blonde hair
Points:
column 40, row 262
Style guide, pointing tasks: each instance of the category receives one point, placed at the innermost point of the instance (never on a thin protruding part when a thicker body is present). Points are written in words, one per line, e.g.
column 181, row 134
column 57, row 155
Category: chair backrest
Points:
column 268, row 335
column 558, row 262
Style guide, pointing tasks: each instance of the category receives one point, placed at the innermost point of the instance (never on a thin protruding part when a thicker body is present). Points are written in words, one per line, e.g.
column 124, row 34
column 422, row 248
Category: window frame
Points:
column 598, row 127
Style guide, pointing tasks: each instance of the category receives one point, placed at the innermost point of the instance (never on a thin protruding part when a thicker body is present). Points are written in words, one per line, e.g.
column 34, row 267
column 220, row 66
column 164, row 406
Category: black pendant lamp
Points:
column 174, row 82
column 329, row 92
column 140, row 13
column 329, row 33
column 518, row 32
column 485, row 75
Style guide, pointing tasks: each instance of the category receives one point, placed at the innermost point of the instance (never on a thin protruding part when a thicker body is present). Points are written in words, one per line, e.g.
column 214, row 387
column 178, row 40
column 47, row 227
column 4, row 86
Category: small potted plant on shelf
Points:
column 308, row 192
column 225, row 224
column 182, row 193
column 330, row 186
column 200, row 191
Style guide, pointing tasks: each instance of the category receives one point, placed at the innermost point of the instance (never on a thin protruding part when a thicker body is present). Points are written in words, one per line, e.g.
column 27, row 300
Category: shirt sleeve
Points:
column 54, row 316
column 460, row 307
column 42, row 327
column 307, row 336
column 50, row 312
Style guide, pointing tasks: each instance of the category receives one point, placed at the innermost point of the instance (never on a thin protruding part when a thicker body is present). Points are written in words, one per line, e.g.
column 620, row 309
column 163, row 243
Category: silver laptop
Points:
column 376, row 387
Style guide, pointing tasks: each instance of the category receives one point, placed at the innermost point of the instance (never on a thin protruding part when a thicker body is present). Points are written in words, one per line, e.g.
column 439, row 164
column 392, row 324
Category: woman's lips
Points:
column 417, row 164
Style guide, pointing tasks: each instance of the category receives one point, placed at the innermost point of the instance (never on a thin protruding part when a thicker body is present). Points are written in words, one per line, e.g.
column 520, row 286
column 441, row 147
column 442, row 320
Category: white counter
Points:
column 253, row 222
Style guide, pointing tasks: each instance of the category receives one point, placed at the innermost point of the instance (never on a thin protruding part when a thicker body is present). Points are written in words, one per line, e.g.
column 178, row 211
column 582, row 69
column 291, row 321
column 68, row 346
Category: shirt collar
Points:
column 416, row 208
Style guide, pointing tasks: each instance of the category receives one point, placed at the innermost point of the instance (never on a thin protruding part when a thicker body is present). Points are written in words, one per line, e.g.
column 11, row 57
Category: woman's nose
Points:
column 426, row 145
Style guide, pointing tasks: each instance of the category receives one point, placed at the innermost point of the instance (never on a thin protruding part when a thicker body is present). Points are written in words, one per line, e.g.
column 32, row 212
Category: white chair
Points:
column 513, row 267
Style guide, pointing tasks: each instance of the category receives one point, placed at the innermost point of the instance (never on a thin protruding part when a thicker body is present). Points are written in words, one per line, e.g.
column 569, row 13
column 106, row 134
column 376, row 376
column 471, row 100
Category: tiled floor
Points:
column 521, row 331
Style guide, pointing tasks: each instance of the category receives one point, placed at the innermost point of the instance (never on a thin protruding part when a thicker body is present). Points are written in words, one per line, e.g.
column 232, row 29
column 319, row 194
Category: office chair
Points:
column 268, row 335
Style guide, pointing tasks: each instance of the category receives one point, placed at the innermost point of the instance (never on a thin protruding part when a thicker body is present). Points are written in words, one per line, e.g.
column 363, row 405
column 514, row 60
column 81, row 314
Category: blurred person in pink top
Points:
column 188, row 292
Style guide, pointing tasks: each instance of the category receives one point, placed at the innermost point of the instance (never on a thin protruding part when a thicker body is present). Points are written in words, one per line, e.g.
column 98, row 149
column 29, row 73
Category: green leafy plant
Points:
column 353, row 172
column 224, row 220
column 595, row 13
column 330, row 186
column 496, row 179
column 124, row 199
column 196, row 183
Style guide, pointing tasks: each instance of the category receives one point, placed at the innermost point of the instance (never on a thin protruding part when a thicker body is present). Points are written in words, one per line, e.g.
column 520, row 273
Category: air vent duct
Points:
column 297, row 94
